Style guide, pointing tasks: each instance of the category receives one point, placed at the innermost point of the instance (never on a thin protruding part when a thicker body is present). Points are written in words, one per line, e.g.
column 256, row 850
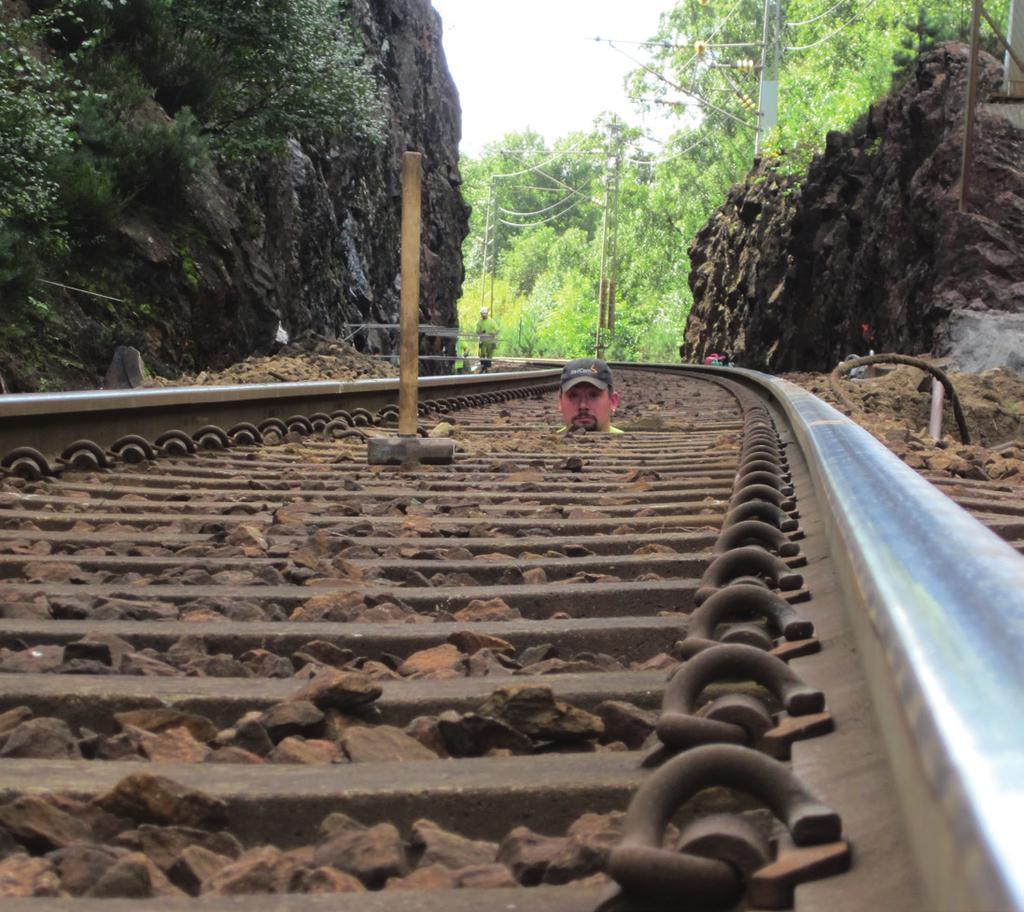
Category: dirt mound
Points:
column 308, row 358
column 895, row 409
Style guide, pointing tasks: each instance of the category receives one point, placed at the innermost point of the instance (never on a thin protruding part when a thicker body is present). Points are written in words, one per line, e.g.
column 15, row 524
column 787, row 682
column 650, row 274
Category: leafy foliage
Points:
column 112, row 106
column 837, row 59
column 35, row 131
column 253, row 74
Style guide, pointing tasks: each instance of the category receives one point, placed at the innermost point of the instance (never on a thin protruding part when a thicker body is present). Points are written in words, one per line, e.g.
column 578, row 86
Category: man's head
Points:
column 587, row 399
column 483, row 312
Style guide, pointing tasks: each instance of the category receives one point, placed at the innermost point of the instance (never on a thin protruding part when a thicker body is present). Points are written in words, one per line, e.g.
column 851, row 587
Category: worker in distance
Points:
column 587, row 398
column 486, row 330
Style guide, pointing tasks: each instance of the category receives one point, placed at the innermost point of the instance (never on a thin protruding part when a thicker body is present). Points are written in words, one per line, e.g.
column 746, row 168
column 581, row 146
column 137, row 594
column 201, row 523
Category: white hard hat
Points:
column 483, row 311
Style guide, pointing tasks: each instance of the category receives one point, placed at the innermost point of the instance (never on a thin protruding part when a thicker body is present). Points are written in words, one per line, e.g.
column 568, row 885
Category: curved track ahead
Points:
column 468, row 662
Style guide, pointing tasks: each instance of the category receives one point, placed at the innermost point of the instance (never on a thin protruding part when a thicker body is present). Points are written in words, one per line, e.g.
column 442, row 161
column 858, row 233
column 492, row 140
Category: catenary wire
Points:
column 668, row 158
column 831, row 35
column 557, row 215
column 827, row 12
column 543, row 211
column 693, row 93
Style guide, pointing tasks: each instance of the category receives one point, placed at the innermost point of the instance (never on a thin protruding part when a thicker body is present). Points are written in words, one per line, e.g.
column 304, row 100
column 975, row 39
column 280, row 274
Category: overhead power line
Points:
column 552, row 158
column 543, row 211
column 693, row 93
column 684, row 47
column 831, row 35
column 668, row 158
column 551, row 218
column 827, row 12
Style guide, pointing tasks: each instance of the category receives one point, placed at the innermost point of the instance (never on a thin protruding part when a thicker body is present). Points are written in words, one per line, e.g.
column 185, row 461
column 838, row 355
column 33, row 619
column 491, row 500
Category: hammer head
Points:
column 402, row 450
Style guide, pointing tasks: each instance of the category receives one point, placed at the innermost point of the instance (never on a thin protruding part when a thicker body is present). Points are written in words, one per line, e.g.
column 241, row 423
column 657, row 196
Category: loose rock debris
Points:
column 895, row 410
column 301, row 532
column 151, row 837
column 332, row 719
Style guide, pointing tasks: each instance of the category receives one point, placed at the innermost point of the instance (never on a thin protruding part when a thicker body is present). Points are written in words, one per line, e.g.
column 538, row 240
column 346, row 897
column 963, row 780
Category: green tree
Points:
column 253, row 73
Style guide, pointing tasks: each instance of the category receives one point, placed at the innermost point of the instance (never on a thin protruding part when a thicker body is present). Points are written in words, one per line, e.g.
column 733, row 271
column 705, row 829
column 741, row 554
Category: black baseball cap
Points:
column 586, row 370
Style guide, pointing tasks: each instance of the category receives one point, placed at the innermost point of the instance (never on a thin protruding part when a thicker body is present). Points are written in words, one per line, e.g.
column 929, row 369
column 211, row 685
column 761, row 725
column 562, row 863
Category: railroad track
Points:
column 239, row 662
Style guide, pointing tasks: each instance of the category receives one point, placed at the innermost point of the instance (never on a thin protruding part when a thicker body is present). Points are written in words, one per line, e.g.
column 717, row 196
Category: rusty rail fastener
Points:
column 680, row 728
column 738, row 602
column 748, row 562
column 756, row 532
column 648, row 872
column 763, row 511
column 28, row 463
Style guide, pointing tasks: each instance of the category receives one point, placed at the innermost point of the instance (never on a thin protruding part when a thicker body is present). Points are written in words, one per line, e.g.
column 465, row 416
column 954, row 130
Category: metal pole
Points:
column 409, row 333
column 935, row 419
column 487, row 245
column 771, row 57
column 1014, row 56
column 613, row 233
column 601, row 314
column 972, row 100
column 1013, row 85
column 494, row 244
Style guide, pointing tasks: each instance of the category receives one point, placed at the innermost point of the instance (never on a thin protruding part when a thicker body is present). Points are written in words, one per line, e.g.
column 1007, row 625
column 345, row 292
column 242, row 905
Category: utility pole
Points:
column 487, row 245
column 494, row 243
column 609, row 239
column 1013, row 84
column 969, row 114
column 771, row 59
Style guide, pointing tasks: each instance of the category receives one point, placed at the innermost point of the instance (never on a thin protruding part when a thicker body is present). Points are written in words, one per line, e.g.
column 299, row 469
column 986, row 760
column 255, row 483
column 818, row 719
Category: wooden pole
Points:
column 409, row 321
column 972, row 102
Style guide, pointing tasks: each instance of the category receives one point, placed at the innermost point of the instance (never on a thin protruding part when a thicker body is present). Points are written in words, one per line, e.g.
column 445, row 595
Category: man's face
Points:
column 587, row 406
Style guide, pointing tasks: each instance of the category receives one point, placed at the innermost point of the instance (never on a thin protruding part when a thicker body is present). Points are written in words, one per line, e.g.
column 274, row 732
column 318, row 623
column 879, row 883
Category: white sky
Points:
column 534, row 63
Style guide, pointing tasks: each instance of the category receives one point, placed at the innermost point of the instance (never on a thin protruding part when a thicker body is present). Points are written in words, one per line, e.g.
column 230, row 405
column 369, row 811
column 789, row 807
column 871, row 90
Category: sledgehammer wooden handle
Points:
column 409, row 350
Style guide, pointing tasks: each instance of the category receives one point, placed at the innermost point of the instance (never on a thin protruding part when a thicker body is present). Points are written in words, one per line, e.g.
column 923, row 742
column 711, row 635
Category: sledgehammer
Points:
column 407, row 446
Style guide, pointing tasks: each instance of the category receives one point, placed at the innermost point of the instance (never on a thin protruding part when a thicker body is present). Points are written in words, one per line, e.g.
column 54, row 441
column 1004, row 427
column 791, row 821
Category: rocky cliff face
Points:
column 307, row 241
column 869, row 249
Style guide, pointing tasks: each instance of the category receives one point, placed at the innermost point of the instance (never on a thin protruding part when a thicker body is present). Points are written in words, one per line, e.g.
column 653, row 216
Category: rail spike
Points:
column 649, row 874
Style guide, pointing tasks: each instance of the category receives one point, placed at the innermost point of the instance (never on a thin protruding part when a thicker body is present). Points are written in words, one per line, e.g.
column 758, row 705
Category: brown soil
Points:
column 308, row 358
column 893, row 409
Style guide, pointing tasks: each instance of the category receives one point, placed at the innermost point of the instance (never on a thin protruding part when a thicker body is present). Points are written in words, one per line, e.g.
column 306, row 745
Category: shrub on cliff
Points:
column 107, row 106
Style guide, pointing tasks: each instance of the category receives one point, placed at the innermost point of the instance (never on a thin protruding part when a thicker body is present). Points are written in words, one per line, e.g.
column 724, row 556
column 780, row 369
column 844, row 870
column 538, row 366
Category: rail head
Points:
column 26, row 404
column 45, row 424
column 938, row 600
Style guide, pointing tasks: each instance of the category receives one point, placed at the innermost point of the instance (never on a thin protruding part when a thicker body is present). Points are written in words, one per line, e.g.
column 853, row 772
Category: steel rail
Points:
column 936, row 601
column 937, row 604
column 48, row 422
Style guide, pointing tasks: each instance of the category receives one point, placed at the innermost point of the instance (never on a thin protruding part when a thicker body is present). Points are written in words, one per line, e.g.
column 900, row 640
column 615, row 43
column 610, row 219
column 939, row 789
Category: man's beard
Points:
column 585, row 421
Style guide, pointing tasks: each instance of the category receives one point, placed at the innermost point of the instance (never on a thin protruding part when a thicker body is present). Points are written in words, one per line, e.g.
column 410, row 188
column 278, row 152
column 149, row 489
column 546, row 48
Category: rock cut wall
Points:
column 310, row 240
column 787, row 274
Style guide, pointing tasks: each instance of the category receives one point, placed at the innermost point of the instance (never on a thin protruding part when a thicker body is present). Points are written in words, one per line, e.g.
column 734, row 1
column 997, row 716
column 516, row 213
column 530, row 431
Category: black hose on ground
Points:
column 939, row 375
